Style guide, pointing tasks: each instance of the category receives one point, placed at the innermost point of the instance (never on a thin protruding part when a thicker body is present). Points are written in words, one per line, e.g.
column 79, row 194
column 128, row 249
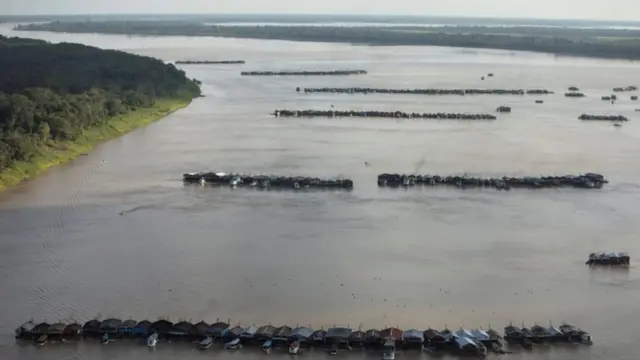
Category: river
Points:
column 116, row 233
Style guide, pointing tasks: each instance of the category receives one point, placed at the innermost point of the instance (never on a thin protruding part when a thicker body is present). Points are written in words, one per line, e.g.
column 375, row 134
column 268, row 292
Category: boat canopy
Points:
column 41, row 328
column 266, row 331
column 282, row 332
column 235, row 331
column 432, row 334
column 480, row 335
column 391, row 332
column 555, row 331
column 464, row 342
column 302, row 332
column 127, row 325
column 26, row 327
column 72, row 329
column 162, row 327
column 181, row 328
column 463, row 333
column 413, row 334
column 357, row 336
column 199, row 329
column 56, row 329
column 91, row 326
column 319, row 335
column 249, row 332
column 110, row 325
column 218, row 329
column 142, row 327
column 372, row 334
column 338, row 333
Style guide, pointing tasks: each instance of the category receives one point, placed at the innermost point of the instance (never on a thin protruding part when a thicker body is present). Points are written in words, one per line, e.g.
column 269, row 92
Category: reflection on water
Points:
column 125, row 237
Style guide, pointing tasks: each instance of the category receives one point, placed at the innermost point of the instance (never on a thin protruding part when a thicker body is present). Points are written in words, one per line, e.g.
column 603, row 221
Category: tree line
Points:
column 52, row 92
column 605, row 43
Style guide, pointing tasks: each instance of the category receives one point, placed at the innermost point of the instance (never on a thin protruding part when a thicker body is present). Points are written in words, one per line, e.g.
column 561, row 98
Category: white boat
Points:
column 294, row 348
column 206, row 343
column 267, row 346
column 233, row 344
column 104, row 340
column 389, row 350
column 152, row 340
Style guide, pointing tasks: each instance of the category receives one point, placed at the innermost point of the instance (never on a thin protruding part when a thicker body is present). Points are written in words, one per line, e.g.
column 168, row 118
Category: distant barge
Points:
column 610, row 259
column 586, row 181
column 209, row 62
column 463, row 341
column 381, row 114
column 304, row 73
column 266, row 181
column 432, row 91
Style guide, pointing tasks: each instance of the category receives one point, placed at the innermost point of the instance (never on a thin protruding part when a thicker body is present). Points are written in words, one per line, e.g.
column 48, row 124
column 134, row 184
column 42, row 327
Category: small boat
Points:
column 294, row 348
column 389, row 350
column 482, row 349
column 333, row 350
column 585, row 338
column 152, row 340
column 42, row 339
column 233, row 344
column 267, row 346
column 104, row 340
column 206, row 343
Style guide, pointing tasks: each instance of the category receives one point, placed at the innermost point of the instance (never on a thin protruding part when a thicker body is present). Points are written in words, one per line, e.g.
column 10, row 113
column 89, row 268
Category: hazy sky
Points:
column 566, row 9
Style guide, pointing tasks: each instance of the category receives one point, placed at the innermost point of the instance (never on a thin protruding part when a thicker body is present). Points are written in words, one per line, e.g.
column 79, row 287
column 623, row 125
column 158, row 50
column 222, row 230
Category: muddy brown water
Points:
column 116, row 233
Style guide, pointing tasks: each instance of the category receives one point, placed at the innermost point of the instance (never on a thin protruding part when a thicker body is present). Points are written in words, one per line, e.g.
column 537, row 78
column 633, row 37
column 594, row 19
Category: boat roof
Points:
column 144, row 324
column 92, row 325
column 338, row 332
column 267, row 330
column 201, row 325
column 73, row 327
column 319, row 334
column 267, row 343
column 42, row 327
column 431, row 333
column 373, row 333
column 464, row 342
column 28, row 326
column 282, row 331
column 111, row 323
column 413, row 334
column 391, row 333
column 128, row 323
column 251, row 330
column 57, row 327
column 162, row 325
column 357, row 335
column 554, row 330
column 302, row 332
column 237, row 330
column 183, row 326
column 464, row 333
column 480, row 334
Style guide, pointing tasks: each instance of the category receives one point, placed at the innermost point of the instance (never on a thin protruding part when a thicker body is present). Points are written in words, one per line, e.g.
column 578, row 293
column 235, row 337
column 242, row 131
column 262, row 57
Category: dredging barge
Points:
column 381, row 114
column 586, row 181
column 609, row 259
column 305, row 73
column 361, row 90
column 209, row 62
column 266, row 181
column 474, row 342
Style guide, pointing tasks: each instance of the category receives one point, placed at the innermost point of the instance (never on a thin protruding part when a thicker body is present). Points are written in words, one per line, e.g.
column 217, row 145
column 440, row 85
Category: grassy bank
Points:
column 60, row 152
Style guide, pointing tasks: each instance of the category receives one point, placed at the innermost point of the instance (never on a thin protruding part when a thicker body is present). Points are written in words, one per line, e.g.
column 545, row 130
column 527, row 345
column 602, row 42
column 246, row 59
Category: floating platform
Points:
column 267, row 181
column 586, row 181
column 588, row 117
column 360, row 90
column 304, row 73
column 463, row 341
column 609, row 259
column 209, row 62
column 381, row 114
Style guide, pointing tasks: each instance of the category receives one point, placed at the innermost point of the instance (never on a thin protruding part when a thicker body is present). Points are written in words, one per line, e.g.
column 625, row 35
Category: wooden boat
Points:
column 267, row 346
column 294, row 348
column 42, row 339
column 152, row 340
column 233, row 344
column 206, row 343
column 104, row 340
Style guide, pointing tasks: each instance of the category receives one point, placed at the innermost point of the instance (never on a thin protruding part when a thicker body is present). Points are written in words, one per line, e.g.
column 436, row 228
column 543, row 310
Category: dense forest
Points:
column 53, row 92
column 603, row 42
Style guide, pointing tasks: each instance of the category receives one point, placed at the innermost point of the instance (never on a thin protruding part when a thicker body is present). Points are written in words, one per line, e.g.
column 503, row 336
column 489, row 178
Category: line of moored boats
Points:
column 382, row 114
column 304, row 73
column 586, row 181
column 267, row 181
column 209, row 62
column 610, row 259
column 432, row 91
column 603, row 117
column 269, row 337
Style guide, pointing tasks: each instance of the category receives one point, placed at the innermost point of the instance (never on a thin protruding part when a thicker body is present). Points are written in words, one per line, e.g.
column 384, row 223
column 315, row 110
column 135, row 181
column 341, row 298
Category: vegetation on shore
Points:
column 59, row 100
column 605, row 43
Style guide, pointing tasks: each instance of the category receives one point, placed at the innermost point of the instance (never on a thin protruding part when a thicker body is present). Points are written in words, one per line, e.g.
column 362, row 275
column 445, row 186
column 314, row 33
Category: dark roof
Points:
column 199, row 328
column 73, row 328
column 162, row 326
column 218, row 328
column 372, row 333
column 144, row 325
column 183, row 326
column 237, row 330
column 41, row 328
column 283, row 331
column 319, row 334
column 391, row 333
column 357, row 336
column 266, row 330
column 338, row 333
column 56, row 328
column 91, row 325
column 128, row 324
column 111, row 323
column 27, row 327
column 431, row 334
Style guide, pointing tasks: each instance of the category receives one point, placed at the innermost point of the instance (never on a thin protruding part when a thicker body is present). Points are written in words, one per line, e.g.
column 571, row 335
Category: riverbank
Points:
column 60, row 152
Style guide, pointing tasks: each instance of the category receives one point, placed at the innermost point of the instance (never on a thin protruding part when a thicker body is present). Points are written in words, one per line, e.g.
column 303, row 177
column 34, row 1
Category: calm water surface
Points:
column 126, row 238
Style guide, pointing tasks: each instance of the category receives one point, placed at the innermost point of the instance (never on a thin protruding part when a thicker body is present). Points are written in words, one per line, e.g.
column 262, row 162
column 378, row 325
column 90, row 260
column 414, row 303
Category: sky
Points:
column 553, row 9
